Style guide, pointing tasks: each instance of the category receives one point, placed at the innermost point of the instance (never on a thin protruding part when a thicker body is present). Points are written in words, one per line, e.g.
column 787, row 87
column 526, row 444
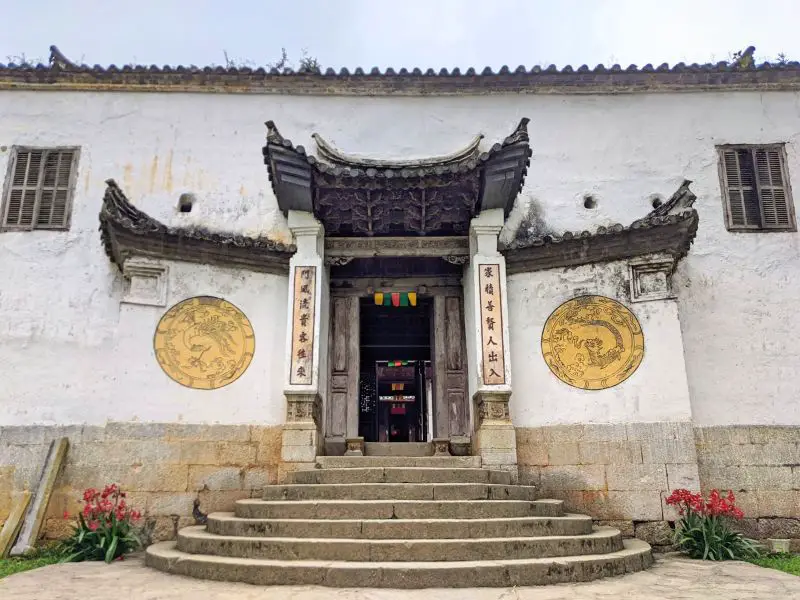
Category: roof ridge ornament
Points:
column 681, row 201
column 273, row 135
column 520, row 133
column 332, row 154
column 58, row 60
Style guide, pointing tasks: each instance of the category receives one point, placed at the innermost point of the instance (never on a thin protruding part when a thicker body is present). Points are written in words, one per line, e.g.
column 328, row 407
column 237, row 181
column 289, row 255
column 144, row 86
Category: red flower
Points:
column 109, row 490
column 715, row 506
column 66, row 515
column 93, row 525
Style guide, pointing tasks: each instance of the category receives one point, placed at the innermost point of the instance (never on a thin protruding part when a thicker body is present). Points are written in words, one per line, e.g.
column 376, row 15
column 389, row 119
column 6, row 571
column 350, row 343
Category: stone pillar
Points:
column 488, row 360
column 306, row 341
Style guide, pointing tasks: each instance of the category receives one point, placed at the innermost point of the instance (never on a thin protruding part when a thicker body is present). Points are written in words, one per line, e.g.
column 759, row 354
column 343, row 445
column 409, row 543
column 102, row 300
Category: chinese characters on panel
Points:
column 303, row 326
column 494, row 372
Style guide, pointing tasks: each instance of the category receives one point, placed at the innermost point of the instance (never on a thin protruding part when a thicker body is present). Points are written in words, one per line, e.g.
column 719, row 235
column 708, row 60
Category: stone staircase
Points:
column 399, row 522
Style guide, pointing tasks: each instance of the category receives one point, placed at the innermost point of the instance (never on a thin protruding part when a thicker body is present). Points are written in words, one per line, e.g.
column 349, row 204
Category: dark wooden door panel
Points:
column 344, row 367
column 451, row 410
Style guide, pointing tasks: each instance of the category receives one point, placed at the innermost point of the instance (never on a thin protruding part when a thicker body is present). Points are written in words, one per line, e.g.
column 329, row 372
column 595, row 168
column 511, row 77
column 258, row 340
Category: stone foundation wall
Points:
column 621, row 473
column 618, row 473
column 761, row 464
column 163, row 467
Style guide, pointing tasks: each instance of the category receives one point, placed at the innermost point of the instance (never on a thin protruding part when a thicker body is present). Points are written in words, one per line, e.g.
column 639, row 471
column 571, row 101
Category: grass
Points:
column 41, row 557
column 788, row 563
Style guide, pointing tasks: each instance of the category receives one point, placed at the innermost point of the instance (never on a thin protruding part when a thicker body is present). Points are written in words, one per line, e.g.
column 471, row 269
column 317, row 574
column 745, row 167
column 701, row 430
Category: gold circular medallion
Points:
column 204, row 343
column 592, row 342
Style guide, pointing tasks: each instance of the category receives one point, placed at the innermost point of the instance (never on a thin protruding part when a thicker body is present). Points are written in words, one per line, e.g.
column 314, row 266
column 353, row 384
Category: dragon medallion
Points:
column 592, row 342
column 204, row 343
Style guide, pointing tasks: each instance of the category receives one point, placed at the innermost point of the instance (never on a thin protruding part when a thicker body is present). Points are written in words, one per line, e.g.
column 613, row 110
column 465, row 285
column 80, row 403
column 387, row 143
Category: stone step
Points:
column 570, row 524
column 396, row 509
column 399, row 491
column 360, row 462
column 399, row 475
column 398, row 449
column 634, row 556
column 196, row 540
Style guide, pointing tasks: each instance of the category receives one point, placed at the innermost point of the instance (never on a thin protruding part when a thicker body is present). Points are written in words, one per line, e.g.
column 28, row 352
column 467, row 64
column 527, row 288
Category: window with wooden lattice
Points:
column 755, row 188
column 39, row 188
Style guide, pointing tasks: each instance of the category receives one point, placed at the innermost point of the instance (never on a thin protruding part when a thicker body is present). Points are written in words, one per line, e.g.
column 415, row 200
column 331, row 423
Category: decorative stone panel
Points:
column 651, row 279
column 303, row 408
column 146, row 282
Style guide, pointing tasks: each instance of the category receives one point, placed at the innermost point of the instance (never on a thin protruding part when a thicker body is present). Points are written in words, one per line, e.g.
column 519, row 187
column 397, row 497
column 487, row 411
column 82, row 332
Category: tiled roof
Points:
column 413, row 169
column 583, row 79
column 669, row 228
column 127, row 231
column 341, row 194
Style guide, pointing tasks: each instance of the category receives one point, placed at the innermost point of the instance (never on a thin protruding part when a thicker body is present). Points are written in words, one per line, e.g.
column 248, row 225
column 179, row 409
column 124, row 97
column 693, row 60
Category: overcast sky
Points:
column 399, row 33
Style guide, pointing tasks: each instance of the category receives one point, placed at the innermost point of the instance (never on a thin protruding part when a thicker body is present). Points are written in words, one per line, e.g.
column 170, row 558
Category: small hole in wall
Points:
column 589, row 201
column 656, row 201
column 185, row 203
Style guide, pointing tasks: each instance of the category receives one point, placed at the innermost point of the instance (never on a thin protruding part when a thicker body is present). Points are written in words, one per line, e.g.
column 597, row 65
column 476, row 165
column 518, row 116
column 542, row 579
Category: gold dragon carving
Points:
column 592, row 342
column 204, row 343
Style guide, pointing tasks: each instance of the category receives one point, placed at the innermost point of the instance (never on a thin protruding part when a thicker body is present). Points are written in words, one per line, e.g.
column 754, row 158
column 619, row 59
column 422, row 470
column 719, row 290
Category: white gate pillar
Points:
column 489, row 365
column 306, row 341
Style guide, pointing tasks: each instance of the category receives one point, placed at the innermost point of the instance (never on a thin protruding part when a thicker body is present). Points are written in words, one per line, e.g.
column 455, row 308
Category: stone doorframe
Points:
column 482, row 298
column 451, row 406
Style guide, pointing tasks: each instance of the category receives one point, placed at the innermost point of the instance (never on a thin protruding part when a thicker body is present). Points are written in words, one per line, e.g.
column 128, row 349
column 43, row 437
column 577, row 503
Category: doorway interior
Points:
column 395, row 375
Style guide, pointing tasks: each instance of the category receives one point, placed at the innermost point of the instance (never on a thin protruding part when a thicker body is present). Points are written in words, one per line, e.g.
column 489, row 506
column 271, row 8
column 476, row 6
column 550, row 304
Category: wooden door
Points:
column 451, row 407
column 342, row 407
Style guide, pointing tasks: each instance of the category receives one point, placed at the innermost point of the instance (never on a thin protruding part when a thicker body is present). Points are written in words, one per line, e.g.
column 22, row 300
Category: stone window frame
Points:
column 39, row 188
column 791, row 223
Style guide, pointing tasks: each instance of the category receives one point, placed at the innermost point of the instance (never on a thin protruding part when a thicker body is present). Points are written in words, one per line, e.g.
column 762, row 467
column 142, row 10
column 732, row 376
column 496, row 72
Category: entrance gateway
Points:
column 397, row 353
column 399, row 329
column 399, row 335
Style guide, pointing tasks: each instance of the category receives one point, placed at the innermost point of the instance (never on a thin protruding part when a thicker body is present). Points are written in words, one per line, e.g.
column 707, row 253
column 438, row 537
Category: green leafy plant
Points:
column 105, row 529
column 704, row 530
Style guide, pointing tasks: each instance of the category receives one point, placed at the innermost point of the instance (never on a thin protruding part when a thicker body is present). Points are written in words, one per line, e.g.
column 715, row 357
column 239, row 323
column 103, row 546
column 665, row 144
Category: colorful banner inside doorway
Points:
column 396, row 298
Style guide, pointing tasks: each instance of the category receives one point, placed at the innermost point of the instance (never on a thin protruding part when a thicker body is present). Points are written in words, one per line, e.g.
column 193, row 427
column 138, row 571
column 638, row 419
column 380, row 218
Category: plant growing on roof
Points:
column 704, row 530
column 105, row 527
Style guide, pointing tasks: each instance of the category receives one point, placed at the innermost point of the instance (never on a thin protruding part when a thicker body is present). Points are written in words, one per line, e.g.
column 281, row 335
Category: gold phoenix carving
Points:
column 592, row 342
column 204, row 343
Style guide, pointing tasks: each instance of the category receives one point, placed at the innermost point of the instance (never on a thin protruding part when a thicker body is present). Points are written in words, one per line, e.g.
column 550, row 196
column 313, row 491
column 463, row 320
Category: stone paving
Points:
column 672, row 578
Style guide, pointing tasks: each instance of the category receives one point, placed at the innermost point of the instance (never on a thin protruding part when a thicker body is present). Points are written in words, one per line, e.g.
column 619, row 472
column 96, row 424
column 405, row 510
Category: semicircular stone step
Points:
column 196, row 540
column 570, row 524
column 396, row 509
column 634, row 556
column 399, row 475
column 399, row 491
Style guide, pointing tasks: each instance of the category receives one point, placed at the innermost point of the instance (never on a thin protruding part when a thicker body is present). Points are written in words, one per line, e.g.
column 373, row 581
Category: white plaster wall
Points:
column 657, row 390
column 79, row 379
column 737, row 291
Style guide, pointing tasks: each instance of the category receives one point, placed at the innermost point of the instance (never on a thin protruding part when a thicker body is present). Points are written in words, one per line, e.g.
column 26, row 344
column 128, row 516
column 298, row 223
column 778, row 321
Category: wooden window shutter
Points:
column 52, row 213
column 21, row 200
column 38, row 194
column 775, row 211
column 741, row 190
